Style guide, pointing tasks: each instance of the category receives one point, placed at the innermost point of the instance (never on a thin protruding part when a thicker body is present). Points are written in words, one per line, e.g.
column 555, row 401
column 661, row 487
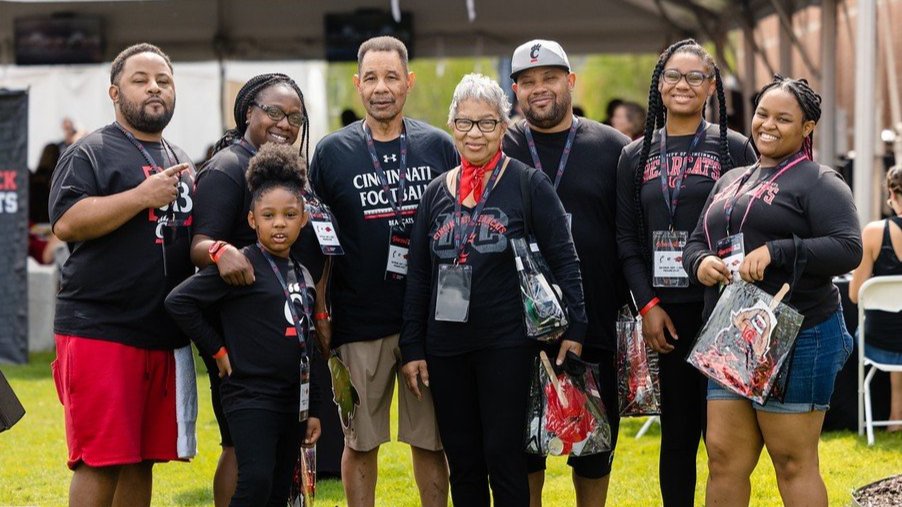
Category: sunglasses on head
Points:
column 276, row 114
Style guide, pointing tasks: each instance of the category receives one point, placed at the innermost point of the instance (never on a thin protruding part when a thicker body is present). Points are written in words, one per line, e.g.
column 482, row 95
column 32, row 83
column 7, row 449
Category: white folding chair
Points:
column 878, row 293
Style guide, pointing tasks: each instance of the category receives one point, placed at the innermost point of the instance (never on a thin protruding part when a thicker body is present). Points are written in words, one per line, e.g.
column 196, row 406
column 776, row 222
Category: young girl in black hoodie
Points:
column 263, row 350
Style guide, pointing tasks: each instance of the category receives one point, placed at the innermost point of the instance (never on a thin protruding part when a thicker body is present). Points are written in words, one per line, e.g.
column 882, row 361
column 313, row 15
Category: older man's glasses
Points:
column 693, row 78
column 486, row 126
column 276, row 114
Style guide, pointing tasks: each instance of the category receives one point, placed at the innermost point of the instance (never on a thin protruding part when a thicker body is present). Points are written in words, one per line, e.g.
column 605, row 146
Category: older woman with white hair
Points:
column 463, row 334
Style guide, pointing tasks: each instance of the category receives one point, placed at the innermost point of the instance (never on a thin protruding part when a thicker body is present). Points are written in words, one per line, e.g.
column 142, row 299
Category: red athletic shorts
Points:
column 119, row 401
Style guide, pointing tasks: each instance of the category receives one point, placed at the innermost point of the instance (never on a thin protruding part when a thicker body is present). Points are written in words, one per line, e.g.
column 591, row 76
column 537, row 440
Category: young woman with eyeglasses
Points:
column 797, row 224
column 269, row 108
column 662, row 183
column 463, row 334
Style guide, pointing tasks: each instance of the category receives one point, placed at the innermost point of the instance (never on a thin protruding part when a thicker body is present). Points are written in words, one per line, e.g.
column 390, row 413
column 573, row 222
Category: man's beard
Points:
column 136, row 115
column 547, row 120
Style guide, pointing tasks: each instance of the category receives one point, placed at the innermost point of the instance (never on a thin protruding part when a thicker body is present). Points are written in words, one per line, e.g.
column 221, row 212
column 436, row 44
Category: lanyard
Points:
column 396, row 204
column 671, row 201
column 291, row 308
column 568, row 146
column 248, row 147
column 759, row 188
column 459, row 243
column 140, row 147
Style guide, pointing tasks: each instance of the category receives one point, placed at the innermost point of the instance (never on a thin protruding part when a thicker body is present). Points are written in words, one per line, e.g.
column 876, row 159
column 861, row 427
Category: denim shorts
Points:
column 882, row 355
column 819, row 354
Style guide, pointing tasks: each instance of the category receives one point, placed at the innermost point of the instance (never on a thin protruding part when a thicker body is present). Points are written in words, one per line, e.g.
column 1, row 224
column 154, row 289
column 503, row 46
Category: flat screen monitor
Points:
column 58, row 39
column 346, row 31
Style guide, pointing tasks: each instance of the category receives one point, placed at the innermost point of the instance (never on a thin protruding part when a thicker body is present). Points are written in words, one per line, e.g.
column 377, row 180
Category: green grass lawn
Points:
column 33, row 470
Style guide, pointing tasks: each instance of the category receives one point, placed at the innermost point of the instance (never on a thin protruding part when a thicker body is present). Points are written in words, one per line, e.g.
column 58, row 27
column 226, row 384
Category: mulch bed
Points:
column 885, row 493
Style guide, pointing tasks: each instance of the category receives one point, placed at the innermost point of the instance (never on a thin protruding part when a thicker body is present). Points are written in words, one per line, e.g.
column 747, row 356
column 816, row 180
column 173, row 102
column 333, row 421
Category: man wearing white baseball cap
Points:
column 580, row 156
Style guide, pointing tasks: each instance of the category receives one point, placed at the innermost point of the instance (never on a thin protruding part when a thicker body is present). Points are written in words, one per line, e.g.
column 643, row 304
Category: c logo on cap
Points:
column 534, row 52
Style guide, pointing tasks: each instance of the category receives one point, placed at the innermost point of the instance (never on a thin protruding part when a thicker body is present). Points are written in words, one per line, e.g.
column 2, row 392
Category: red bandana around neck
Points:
column 471, row 177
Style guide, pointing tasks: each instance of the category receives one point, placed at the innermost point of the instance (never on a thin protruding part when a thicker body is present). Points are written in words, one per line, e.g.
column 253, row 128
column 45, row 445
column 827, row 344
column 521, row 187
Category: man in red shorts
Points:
column 121, row 198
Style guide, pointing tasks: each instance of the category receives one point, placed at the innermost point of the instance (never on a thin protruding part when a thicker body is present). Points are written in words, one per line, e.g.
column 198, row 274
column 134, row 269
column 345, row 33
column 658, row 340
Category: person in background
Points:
column 259, row 335
column 348, row 116
column 121, row 197
column 372, row 174
column 609, row 110
column 269, row 108
column 629, row 118
column 71, row 133
column 478, row 366
column 797, row 224
column 882, row 242
column 662, row 183
column 580, row 157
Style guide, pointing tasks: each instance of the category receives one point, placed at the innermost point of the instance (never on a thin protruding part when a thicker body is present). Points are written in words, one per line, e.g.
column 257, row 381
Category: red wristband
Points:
column 651, row 304
column 221, row 352
column 216, row 250
column 321, row 316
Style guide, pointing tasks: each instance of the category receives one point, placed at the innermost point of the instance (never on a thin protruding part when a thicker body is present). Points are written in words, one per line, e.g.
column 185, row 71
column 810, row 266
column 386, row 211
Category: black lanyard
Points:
column 672, row 200
column 146, row 154
column 568, row 147
column 461, row 238
column 302, row 284
column 248, row 147
column 397, row 203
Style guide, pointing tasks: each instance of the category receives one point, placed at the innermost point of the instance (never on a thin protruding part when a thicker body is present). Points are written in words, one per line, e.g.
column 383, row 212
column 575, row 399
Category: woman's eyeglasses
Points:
column 486, row 126
column 693, row 77
column 276, row 114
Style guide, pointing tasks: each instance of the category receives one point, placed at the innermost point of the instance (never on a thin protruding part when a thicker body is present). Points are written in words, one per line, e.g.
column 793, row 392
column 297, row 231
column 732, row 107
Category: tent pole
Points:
column 827, row 132
column 865, row 83
column 891, row 79
column 785, row 45
column 750, row 81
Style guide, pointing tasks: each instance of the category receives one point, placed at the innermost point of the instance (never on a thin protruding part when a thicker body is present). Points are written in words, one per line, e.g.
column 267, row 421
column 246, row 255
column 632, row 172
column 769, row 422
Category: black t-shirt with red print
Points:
column 703, row 168
column 366, row 306
column 113, row 286
column 257, row 330
column 808, row 202
column 223, row 200
column 496, row 309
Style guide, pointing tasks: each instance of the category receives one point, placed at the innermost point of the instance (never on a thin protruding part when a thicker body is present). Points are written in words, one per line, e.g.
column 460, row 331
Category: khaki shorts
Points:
column 374, row 366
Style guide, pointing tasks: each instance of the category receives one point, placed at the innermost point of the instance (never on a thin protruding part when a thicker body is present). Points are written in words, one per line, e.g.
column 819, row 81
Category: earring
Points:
column 247, row 122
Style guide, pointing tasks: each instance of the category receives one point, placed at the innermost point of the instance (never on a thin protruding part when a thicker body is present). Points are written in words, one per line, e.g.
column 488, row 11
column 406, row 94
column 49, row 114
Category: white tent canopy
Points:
column 203, row 30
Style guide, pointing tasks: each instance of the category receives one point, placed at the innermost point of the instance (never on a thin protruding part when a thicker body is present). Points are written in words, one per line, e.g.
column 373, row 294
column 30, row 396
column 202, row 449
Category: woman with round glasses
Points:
column 662, row 183
column 463, row 333
column 797, row 224
column 269, row 108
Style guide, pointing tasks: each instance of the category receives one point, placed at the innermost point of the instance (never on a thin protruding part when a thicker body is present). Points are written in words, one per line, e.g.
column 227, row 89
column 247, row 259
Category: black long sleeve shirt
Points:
column 809, row 202
column 588, row 190
column 634, row 245
column 261, row 340
column 496, row 309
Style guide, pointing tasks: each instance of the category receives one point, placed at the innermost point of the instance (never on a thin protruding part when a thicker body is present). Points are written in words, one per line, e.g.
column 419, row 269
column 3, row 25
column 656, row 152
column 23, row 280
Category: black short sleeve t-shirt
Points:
column 702, row 168
column 113, row 286
column 588, row 190
column 366, row 306
column 257, row 330
column 224, row 199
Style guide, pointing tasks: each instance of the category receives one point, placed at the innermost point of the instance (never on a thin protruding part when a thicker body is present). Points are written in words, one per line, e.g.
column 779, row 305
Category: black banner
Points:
column 13, row 226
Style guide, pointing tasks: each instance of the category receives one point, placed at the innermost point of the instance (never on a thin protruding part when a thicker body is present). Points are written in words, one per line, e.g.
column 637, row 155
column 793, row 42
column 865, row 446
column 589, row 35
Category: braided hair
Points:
column 657, row 118
column 276, row 166
column 247, row 95
column 809, row 103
